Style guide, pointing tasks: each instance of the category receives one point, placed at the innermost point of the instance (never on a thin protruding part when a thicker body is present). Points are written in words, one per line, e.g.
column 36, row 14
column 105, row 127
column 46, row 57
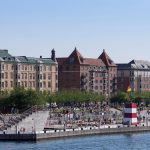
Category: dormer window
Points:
column 71, row 60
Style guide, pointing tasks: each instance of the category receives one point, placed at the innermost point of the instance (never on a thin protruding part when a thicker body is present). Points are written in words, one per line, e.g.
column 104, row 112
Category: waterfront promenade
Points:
column 47, row 125
column 72, row 133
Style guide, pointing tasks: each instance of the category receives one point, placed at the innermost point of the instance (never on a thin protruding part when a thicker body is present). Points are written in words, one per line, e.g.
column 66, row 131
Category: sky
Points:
column 35, row 27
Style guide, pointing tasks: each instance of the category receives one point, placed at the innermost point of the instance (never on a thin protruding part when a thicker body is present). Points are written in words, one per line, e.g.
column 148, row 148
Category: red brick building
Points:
column 90, row 74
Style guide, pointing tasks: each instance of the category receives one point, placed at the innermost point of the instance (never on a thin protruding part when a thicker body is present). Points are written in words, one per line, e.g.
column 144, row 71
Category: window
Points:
column 11, row 84
column 2, row 84
column 33, row 84
column 30, row 84
column 101, row 74
column 18, row 76
column 44, row 76
column 49, row 68
column 96, row 81
column 56, row 85
column 2, row 66
column 12, row 67
column 40, row 84
column 56, row 77
column 18, row 67
column 44, row 68
column 25, row 83
column 71, row 60
column 49, row 76
column 100, row 87
column 40, row 68
column 49, row 84
column 33, row 76
column 22, row 67
column 6, row 67
column 22, row 76
column 26, row 67
column 30, row 75
column 35, row 68
column 57, row 67
column 6, row 84
column 2, row 76
column 25, row 75
column 6, row 75
column 44, row 84
column 96, row 87
column 40, row 76
column 31, row 67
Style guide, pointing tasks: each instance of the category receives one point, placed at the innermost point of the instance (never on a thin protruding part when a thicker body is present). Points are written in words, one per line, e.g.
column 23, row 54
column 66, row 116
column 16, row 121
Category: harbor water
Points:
column 136, row 141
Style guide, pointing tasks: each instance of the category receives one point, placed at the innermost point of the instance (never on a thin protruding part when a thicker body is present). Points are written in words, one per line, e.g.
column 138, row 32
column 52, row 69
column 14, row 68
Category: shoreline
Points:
column 72, row 133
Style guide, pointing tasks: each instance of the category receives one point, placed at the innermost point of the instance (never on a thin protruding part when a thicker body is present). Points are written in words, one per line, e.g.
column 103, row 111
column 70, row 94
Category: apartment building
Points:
column 39, row 74
column 136, row 74
column 89, row 74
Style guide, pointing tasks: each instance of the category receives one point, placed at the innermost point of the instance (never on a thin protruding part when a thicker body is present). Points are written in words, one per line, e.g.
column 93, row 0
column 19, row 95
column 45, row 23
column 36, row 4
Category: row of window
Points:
column 98, row 74
column 145, row 86
column 25, row 84
column 25, row 76
column 26, row 67
column 101, row 87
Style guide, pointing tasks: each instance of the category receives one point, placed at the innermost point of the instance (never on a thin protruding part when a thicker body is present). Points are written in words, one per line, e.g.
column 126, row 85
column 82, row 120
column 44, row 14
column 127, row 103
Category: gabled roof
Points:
column 76, row 58
column 94, row 62
column 106, row 59
column 76, row 54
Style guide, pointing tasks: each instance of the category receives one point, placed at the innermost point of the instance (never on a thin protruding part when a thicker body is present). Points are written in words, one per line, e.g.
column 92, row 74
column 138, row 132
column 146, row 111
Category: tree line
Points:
column 22, row 99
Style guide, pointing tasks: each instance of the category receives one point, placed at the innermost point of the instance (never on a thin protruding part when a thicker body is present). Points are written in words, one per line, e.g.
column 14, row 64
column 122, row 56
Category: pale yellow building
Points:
column 40, row 74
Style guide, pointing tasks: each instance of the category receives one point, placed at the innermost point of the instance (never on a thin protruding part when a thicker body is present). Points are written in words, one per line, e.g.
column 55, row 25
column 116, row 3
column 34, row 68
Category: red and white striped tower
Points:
column 130, row 114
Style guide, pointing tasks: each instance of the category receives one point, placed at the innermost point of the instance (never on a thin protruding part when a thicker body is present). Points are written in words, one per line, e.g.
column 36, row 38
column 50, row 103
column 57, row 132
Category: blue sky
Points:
column 34, row 27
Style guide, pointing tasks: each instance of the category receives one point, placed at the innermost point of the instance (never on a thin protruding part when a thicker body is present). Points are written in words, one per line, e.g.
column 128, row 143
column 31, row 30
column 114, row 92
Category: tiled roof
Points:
column 47, row 61
column 140, row 64
column 106, row 59
column 79, row 59
column 5, row 56
column 4, row 53
column 135, row 64
column 35, row 60
column 76, row 54
column 94, row 62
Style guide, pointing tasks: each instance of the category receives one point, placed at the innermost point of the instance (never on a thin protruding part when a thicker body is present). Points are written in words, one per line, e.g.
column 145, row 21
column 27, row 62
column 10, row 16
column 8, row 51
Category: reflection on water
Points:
column 138, row 141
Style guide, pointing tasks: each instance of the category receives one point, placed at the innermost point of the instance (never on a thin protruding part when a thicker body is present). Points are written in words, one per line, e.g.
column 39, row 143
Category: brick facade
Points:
column 96, row 75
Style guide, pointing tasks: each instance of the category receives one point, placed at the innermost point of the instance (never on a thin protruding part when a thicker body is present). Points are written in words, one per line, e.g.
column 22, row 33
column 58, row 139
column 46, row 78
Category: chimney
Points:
column 40, row 56
column 53, row 55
